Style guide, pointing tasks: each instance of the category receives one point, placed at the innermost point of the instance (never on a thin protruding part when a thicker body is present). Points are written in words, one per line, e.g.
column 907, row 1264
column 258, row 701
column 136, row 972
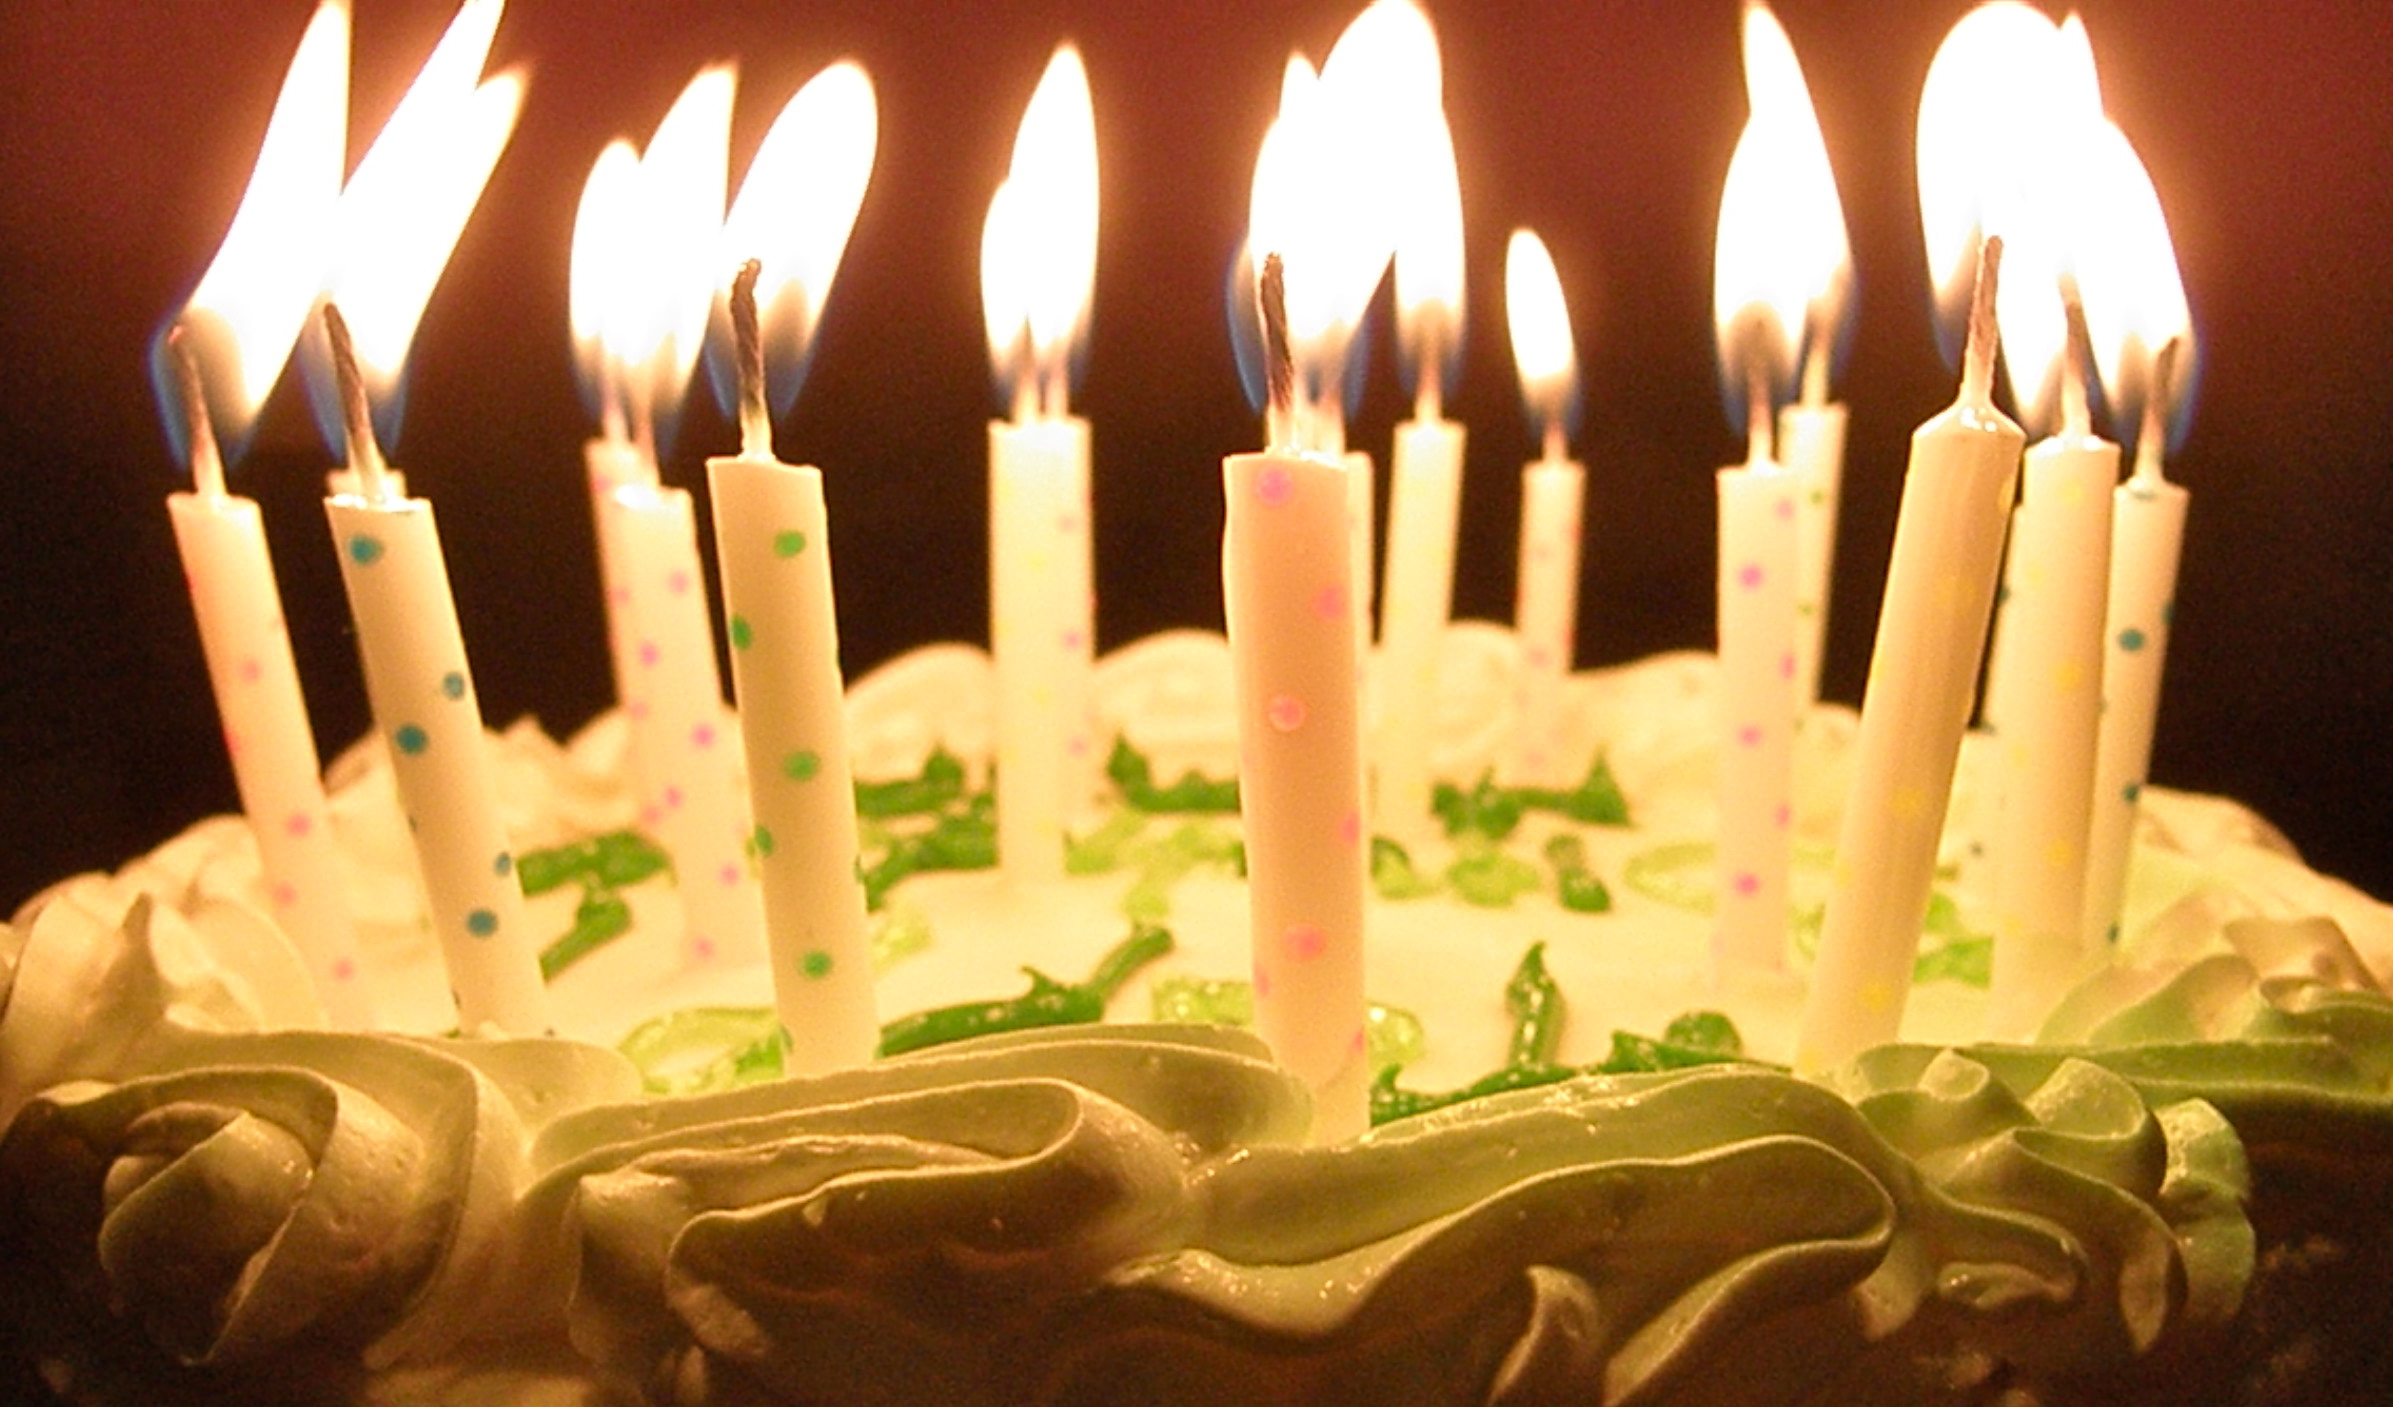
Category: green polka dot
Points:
column 411, row 739
column 504, row 865
column 816, row 964
column 365, row 550
column 801, row 765
column 452, row 684
column 742, row 636
column 481, row 923
column 2132, row 640
column 761, row 842
column 2132, row 792
column 789, row 542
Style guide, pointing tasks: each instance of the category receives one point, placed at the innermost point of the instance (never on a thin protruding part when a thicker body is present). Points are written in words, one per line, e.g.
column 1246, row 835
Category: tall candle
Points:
column 1288, row 599
column 2052, row 621
column 1923, row 678
column 1553, row 498
column 1038, row 262
column 1811, row 444
column 266, row 732
column 422, row 694
column 773, row 539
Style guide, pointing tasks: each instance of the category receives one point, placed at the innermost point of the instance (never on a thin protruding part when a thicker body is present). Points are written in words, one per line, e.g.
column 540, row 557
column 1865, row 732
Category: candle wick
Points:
column 1977, row 362
column 365, row 456
column 756, row 419
column 1759, row 405
column 1056, row 387
column 1279, row 363
column 2152, row 439
column 1556, row 445
column 207, row 461
column 2077, row 418
column 1815, row 360
column 610, row 400
column 1429, row 400
column 1026, row 386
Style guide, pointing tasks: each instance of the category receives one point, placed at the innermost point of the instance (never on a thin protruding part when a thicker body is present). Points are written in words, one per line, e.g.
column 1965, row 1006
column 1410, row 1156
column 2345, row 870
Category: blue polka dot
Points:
column 2132, row 640
column 452, row 684
column 504, row 865
column 365, row 550
column 2132, row 792
column 481, row 923
column 411, row 739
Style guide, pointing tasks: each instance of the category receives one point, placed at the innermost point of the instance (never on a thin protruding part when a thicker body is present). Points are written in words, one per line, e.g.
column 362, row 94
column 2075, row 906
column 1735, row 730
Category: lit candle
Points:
column 1809, row 226
column 398, row 219
column 1424, row 494
column 1758, row 297
column 1553, row 497
column 1038, row 262
column 1289, row 598
column 247, row 312
column 773, row 538
column 2141, row 331
column 1923, row 677
column 597, row 276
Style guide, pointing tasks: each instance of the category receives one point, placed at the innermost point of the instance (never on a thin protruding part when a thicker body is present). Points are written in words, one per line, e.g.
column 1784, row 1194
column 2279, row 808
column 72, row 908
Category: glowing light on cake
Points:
column 1038, row 271
column 1763, row 280
column 772, row 537
column 1424, row 481
column 1553, row 503
column 399, row 218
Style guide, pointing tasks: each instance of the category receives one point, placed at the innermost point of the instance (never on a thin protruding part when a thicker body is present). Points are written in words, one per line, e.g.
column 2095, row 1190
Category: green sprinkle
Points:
column 1490, row 879
column 1493, row 812
column 612, row 860
column 1393, row 876
column 1576, row 886
column 1047, row 1003
column 940, row 782
column 899, row 932
column 706, row 1049
column 1129, row 769
column 1679, row 874
column 1534, row 1001
column 1102, row 850
column 601, row 917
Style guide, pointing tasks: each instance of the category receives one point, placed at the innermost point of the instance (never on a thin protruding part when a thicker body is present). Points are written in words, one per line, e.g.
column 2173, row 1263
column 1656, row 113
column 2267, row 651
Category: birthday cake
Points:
column 1592, row 1177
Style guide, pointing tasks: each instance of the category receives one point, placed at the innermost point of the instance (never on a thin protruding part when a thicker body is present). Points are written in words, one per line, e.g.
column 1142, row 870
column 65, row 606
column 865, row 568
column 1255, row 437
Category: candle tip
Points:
column 1977, row 362
column 2152, row 438
column 1279, row 362
column 207, row 463
column 756, row 419
column 2077, row 419
column 365, row 456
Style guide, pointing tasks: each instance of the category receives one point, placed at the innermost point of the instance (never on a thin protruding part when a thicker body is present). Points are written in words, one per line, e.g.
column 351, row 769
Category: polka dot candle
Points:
column 772, row 537
column 1758, row 587
column 1546, row 614
column 273, row 751
column 1039, row 636
column 1285, row 552
column 613, row 464
column 690, row 774
column 2051, row 654
column 2147, row 531
column 1416, row 601
column 1811, row 444
column 423, row 699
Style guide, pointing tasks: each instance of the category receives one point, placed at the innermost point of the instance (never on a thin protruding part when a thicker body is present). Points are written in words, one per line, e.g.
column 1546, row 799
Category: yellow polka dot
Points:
column 1909, row 802
column 2059, row 855
column 1876, row 997
column 2068, row 677
column 2073, row 492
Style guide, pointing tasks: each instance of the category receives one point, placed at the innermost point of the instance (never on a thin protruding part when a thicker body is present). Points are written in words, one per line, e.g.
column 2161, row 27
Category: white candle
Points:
column 773, row 540
column 1553, row 500
column 266, row 732
column 1289, row 601
column 2147, row 533
column 1424, row 506
column 1923, row 678
column 1756, row 609
column 692, row 782
column 422, row 693
column 1038, row 262
column 1811, row 444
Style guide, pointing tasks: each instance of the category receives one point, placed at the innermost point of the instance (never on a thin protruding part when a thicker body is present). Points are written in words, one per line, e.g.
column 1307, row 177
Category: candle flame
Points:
column 1429, row 263
column 2004, row 101
column 2134, row 296
column 403, row 210
column 602, row 273
column 796, row 209
column 250, row 306
column 1541, row 341
column 1814, row 253
column 1039, row 247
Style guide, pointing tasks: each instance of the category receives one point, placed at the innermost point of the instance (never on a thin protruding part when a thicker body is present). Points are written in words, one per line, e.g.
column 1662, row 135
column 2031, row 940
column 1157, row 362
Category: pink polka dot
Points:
column 678, row 582
column 1786, row 665
column 1067, row 523
column 299, row 823
column 251, row 670
column 1750, row 735
column 232, row 743
column 672, row 798
column 620, row 595
column 1262, row 981
column 1273, row 486
column 1747, row 884
column 651, row 814
column 284, row 893
column 343, row 970
column 1304, row 942
column 703, row 736
column 1783, row 817
column 1539, row 657
column 729, row 875
column 1285, row 712
column 1350, row 828
column 636, row 710
column 702, row 948
column 1329, row 602
column 1077, row 745
column 1749, row 576
column 1784, row 508
column 1075, row 638
column 649, row 654
column 1541, row 552
column 1355, row 1043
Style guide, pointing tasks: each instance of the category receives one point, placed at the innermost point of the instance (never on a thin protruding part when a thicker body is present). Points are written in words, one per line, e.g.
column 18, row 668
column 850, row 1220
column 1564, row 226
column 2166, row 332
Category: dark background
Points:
column 127, row 129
